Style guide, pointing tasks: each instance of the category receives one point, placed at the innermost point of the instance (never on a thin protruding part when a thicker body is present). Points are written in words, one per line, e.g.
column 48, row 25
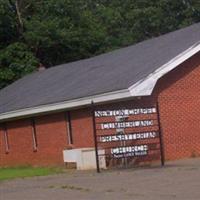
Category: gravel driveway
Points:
column 177, row 180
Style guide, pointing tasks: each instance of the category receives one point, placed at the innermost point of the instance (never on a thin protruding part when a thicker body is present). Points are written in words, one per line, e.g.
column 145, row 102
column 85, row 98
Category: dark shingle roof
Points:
column 104, row 73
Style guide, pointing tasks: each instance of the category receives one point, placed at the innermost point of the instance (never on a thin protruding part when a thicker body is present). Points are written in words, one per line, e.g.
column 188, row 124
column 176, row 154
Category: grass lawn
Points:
column 21, row 172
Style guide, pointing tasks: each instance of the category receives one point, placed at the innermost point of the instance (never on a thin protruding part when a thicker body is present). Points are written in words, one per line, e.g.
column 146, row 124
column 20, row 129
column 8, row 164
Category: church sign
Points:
column 127, row 136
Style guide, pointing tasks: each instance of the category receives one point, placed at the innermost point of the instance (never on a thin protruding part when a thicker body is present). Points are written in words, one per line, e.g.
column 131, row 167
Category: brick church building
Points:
column 50, row 111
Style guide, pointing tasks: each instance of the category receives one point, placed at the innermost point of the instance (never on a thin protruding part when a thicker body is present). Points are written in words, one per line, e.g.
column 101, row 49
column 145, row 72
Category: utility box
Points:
column 84, row 158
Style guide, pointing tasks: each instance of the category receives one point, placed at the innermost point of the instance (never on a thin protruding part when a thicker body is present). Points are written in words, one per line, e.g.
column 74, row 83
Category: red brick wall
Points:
column 82, row 128
column 179, row 99
column 51, row 137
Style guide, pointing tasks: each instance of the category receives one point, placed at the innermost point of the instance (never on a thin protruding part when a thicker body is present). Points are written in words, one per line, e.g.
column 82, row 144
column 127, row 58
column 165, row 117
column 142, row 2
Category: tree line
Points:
column 52, row 32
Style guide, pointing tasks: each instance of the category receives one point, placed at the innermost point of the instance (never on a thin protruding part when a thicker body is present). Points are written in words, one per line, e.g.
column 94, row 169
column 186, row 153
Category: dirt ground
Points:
column 177, row 180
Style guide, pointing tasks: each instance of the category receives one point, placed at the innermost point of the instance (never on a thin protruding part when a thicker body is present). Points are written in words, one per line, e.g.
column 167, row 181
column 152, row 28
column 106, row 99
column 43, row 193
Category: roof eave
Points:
column 145, row 86
column 66, row 105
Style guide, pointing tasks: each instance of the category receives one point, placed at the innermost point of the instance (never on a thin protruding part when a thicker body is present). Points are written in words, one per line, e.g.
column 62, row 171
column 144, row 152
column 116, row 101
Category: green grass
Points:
column 22, row 172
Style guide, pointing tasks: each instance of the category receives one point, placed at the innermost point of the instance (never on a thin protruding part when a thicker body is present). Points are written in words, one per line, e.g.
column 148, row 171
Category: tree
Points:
column 63, row 31
column 15, row 62
column 53, row 32
column 8, row 29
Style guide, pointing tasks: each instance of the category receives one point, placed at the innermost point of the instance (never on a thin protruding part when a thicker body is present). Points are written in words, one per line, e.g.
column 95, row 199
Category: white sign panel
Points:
column 139, row 150
column 125, row 112
column 131, row 124
column 131, row 136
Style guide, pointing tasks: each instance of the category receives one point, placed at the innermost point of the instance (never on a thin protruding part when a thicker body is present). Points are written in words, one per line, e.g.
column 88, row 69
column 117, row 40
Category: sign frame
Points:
column 159, row 131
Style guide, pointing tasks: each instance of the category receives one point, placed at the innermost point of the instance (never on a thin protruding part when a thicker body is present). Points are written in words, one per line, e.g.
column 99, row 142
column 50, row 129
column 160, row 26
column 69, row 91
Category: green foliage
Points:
column 63, row 31
column 15, row 61
column 52, row 32
column 8, row 30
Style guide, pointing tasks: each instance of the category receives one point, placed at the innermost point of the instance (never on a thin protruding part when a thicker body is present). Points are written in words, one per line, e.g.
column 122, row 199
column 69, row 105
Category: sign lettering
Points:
column 129, row 151
column 125, row 137
column 118, row 125
column 125, row 112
